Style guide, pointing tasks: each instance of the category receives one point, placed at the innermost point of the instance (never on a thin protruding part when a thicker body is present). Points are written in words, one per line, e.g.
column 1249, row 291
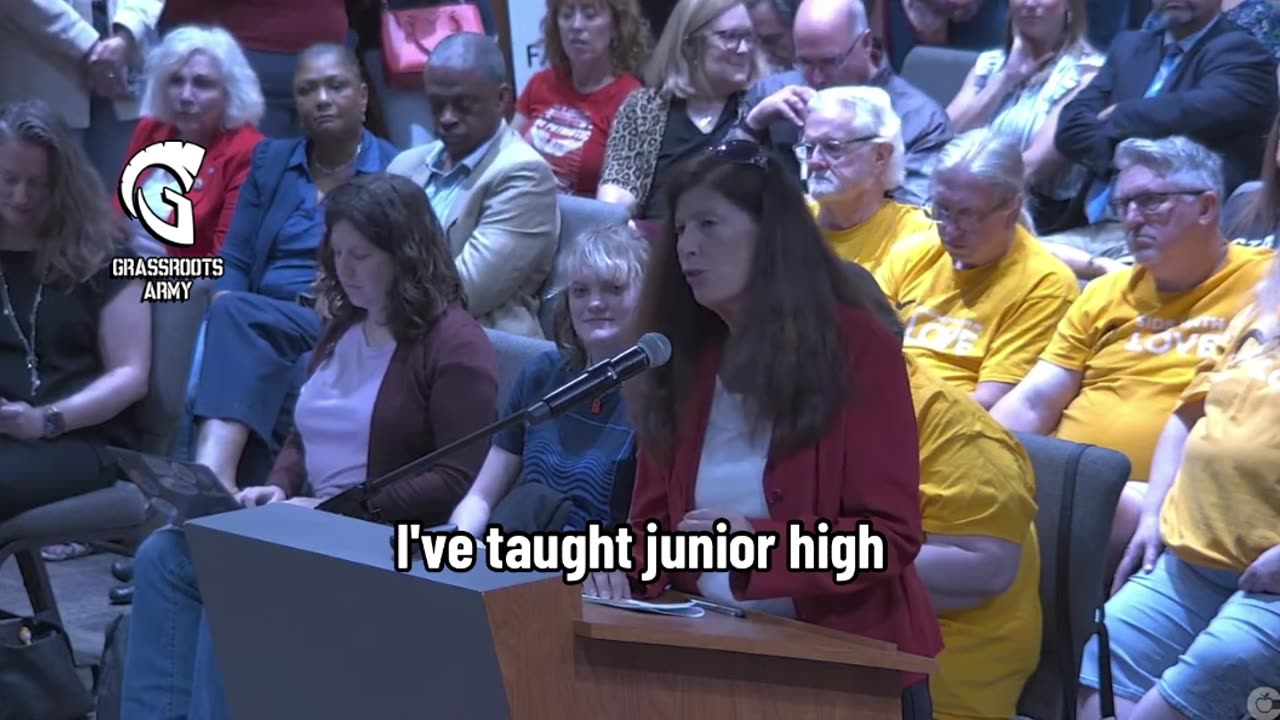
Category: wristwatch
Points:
column 54, row 422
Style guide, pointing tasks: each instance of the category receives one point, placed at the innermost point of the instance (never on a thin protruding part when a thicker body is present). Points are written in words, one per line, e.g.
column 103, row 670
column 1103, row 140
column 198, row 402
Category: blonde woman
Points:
column 704, row 62
column 587, row 455
column 1019, row 89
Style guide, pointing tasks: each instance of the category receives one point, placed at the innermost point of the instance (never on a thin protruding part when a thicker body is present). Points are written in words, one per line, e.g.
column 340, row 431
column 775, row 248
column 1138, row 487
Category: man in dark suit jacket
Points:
column 1219, row 90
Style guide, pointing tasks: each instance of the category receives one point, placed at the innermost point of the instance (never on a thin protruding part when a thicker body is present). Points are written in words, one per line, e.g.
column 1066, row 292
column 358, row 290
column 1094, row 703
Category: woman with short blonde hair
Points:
column 588, row 454
column 704, row 62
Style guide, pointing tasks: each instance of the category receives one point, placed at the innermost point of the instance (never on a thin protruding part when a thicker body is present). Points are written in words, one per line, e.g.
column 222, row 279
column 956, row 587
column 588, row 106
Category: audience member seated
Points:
column 1128, row 347
column 1020, row 88
column 979, row 296
column 1202, row 77
column 966, row 24
column 594, row 49
column 75, row 342
column 772, row 21
column 82, row 59
column 853, row 159
column 835, row 47
column 737, row 437
column 401, row 370
column 702, row 65
column 588, row 454
column 494, row 195
column 273, row 33
column 1255, row 217
column 259, row 324
column 200, row 89
column 1261, row 18
column 981, row 557
column 1193, row 632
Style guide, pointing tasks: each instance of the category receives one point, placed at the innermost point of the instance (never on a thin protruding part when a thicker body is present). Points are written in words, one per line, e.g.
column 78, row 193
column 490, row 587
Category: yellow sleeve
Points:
column 1073, row 340
column 1022, row 338
column 1241, row 324
column 972, row 483
column 892, row 273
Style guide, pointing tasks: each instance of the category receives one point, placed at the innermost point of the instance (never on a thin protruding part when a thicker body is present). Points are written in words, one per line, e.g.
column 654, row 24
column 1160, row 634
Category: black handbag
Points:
column 38, row 677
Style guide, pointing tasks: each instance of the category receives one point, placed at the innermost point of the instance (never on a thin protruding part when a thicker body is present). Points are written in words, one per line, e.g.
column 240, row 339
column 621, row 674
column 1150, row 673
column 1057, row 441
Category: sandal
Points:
column 66, row 551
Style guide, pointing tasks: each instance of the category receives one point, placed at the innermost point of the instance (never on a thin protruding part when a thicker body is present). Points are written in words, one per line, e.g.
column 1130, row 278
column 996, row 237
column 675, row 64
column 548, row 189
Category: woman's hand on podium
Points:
column 308, row 502
column 259, row 495
column 607, row 585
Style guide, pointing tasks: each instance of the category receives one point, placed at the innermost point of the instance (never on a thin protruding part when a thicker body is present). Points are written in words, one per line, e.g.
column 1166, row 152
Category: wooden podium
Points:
column 311, row 621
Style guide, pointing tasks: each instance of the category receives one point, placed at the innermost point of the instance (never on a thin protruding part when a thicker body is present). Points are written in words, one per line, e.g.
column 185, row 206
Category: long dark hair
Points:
column 79, row 231
column 789, row 358
column 395, row 216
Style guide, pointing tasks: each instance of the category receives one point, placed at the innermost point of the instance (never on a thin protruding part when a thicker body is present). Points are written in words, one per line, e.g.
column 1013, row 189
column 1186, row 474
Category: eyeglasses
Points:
column 963, row 219
column 742, row 152
column 1149, row 204
column 732, row 40
column 831, row 149
column 829, row 64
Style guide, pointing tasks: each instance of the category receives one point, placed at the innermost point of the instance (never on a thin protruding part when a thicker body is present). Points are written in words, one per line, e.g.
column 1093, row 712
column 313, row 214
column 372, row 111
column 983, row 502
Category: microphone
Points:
column 653, row 350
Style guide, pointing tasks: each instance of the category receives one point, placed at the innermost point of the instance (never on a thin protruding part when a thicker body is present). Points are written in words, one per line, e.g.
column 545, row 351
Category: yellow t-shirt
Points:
column 976, row 479
column 1138, row 348
column 988, row 324
column 869, row 243
column 1223, row 510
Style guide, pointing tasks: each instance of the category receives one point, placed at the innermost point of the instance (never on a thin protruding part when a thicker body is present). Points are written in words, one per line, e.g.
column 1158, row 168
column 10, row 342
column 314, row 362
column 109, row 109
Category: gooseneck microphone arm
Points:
column 652, row 351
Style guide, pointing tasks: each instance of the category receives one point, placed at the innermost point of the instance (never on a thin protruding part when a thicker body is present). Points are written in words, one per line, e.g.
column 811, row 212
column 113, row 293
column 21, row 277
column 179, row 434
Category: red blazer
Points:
column 865, row 468
column 226, row 165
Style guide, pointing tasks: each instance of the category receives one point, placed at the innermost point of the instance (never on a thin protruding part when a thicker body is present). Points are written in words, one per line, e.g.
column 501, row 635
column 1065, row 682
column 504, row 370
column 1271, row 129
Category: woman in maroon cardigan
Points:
column 402, row 370
column 785, row 400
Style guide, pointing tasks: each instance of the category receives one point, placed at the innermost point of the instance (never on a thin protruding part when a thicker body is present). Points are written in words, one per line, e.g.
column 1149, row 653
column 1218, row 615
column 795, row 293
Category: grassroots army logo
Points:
column 166, row 279
column 183, row 161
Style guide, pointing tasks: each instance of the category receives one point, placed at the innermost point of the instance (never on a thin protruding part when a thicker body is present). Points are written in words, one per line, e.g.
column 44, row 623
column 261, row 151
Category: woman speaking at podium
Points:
column 401, row 369
column 785, row 399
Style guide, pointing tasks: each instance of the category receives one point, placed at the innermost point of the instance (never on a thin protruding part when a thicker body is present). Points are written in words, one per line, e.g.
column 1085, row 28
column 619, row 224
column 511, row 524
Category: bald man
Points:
column 495, row 196
column 834, row 47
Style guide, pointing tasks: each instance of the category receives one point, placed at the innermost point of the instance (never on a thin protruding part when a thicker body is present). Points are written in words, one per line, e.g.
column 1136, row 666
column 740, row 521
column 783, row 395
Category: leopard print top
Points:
column 634, row 142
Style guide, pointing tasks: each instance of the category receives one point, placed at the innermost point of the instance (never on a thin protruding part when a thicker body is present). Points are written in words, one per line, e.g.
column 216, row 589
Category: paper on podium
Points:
column 680, row 609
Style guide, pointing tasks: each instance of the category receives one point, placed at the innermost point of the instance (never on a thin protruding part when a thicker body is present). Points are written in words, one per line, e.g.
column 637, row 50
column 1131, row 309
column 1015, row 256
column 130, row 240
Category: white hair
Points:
column 1180, row 159
column 245, row 104
column 990, row 157
column 869, row 112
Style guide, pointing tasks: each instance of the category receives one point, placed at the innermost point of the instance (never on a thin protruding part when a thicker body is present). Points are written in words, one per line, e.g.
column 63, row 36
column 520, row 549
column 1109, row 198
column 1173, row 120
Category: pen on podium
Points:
column 715, row 607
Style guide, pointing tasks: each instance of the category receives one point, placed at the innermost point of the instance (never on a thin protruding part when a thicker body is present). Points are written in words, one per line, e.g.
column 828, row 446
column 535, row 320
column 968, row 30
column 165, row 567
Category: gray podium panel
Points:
column 311, row 621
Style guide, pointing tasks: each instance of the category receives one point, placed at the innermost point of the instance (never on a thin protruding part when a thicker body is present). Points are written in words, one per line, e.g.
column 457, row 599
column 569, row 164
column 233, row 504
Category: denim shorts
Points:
column 1190, row 632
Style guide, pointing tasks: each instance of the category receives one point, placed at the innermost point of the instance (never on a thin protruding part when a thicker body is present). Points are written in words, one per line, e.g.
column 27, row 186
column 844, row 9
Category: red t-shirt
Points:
column 280, row 26
column 571, row 129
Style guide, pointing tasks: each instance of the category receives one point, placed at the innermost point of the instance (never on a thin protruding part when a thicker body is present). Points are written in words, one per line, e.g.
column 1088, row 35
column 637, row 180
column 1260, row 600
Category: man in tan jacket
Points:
column 496, row 197
column 83, row 58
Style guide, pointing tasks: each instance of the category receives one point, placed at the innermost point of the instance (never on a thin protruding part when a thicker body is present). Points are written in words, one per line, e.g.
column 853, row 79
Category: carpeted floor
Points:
column 81, row 588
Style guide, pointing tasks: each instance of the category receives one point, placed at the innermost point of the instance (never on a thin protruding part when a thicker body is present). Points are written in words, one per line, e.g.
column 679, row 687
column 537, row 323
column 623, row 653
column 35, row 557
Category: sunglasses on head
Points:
column 742, row 152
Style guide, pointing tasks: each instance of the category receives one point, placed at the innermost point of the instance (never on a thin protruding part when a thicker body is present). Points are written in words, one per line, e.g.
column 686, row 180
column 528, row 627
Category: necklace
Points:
column 325, row 170
column 29, row 345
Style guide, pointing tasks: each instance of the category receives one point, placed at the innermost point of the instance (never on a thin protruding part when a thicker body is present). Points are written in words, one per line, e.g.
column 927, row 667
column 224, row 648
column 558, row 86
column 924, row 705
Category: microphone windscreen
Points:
column 656, row 347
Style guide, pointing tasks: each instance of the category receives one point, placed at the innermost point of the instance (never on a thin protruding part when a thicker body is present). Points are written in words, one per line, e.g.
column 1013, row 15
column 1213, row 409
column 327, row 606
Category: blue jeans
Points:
column 170, row 669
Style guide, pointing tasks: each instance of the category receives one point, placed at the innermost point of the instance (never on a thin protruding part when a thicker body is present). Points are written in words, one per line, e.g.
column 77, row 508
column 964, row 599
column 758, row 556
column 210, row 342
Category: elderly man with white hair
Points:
column 834, row 47
column 1128, row 347
column 853, row 157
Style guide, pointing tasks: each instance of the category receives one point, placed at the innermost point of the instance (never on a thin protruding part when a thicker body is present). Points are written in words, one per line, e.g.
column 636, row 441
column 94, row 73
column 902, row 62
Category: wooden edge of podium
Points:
column 756, row 634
